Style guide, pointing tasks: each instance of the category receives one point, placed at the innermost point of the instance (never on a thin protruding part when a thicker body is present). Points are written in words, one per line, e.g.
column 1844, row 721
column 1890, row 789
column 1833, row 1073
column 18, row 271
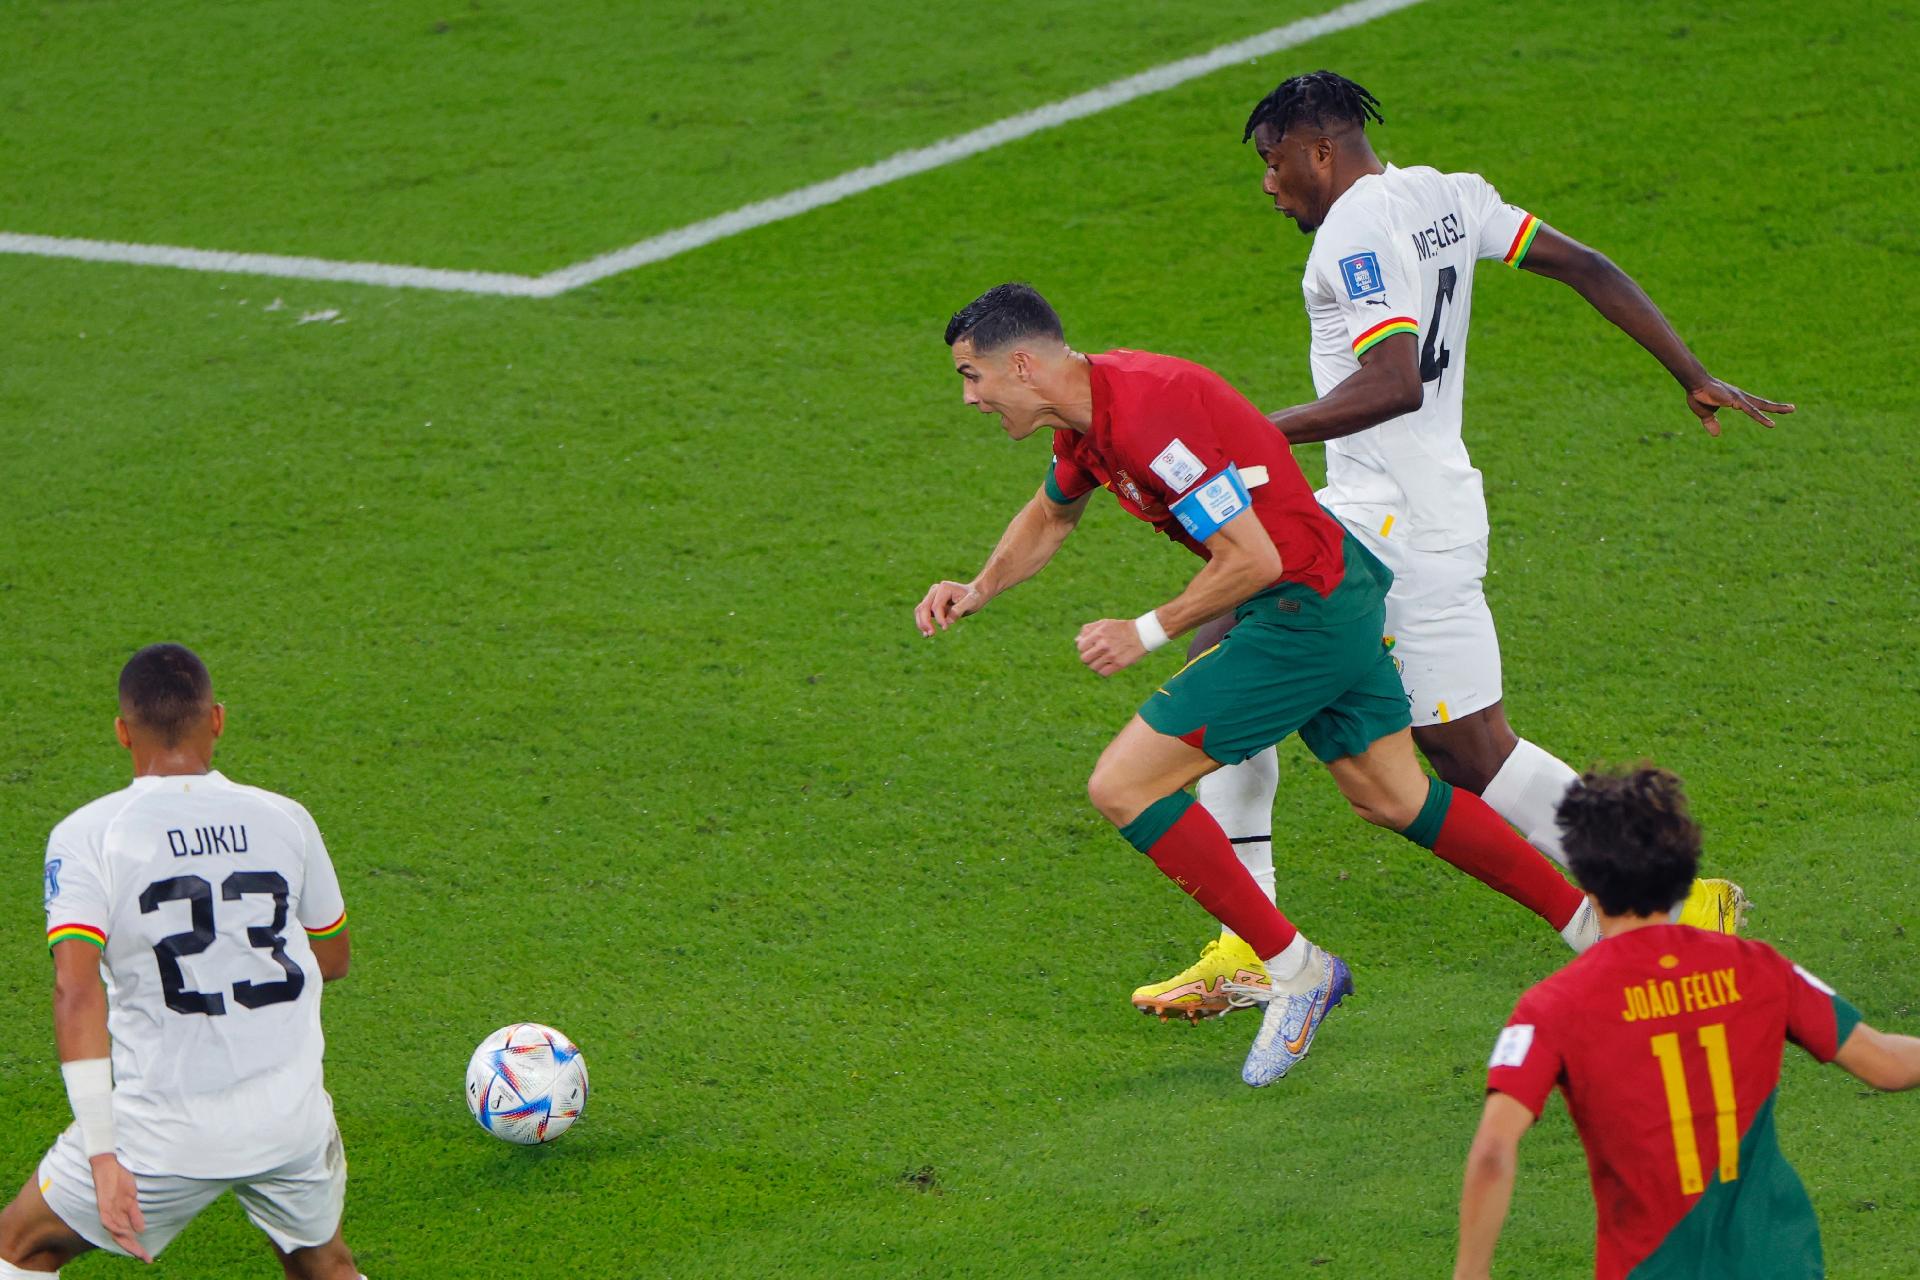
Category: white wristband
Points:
column 1151, row 633
column 90, row 1091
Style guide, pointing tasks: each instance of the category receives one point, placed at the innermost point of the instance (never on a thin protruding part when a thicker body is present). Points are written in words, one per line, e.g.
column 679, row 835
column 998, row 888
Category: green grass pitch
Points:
column 582, row 625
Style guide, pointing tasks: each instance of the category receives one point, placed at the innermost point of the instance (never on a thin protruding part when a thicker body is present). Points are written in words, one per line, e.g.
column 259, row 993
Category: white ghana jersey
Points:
column 1396, row 255
column 201, row 894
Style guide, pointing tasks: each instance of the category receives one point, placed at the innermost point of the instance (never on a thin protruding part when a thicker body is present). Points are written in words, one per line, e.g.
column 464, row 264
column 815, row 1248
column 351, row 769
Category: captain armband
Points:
column 1203, row 512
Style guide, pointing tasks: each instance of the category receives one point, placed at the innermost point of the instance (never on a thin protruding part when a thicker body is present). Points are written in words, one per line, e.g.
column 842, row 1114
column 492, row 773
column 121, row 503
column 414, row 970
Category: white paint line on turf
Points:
column 747, row 217
column 273, row 264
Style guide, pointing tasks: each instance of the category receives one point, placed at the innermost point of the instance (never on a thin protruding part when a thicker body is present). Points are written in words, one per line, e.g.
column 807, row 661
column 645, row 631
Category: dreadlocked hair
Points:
column 1320, row 97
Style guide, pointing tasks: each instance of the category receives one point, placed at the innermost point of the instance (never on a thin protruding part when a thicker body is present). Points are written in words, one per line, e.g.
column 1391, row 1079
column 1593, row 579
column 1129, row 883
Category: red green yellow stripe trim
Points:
column 328, row 930
column 1522, row 240
column 1382, row 331
column 76, row 933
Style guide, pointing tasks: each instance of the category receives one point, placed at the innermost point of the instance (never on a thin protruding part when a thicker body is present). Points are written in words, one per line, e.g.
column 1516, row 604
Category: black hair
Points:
column 1003, row 314
column 165, row 688
column 1320, row 97
column 1629, row 839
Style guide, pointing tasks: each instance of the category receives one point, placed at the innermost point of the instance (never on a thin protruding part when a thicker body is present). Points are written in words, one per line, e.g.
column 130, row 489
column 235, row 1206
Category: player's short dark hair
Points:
column 1630, row 841
column 1318, row 97
column 1004, row 314
column 165, row 689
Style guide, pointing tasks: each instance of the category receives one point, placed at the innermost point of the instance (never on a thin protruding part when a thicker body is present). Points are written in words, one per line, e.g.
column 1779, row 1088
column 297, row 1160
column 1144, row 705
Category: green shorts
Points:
column 1293, row 663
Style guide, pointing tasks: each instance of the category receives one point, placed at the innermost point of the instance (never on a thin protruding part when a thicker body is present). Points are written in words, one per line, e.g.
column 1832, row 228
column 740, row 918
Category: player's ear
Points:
column 124, row 734
column 1020, row 360
column 219, row 718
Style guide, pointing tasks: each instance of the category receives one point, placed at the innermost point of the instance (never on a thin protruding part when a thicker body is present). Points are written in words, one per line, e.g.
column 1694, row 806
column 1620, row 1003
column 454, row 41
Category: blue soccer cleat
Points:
column 1294, row 1013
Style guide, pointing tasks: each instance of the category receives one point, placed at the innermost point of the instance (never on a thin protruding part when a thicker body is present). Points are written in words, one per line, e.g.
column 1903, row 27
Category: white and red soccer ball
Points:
column 526, row 1083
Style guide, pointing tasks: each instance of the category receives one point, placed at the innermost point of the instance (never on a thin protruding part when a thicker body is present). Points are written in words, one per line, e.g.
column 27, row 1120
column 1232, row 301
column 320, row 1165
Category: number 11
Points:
column 1673, row 1074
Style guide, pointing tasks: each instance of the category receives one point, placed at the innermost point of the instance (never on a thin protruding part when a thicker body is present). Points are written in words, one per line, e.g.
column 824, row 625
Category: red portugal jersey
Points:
column 1667, row 1043
column 1165, row 429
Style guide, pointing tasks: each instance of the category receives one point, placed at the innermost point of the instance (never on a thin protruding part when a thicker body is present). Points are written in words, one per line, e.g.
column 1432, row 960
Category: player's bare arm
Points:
column 1387, row 385
column 1243, row 561
column 80, row 1035
column 1487, row 1188
column 1881, row 1059
column 334, row 956
column 1618, row 297
column 1024, row 549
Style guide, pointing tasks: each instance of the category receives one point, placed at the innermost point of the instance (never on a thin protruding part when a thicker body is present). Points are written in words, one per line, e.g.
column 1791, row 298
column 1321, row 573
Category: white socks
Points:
column 1287, row 964
column 1240, row 798
column 1526, row 792
column 1584, row 929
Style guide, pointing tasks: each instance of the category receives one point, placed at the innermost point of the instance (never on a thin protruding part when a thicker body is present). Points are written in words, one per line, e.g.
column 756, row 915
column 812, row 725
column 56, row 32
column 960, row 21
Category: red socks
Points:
column 1187, row 845
column 1478, row 841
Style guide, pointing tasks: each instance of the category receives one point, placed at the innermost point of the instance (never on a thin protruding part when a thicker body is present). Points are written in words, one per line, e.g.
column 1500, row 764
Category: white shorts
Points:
column 1439, row 628
column 298, row 1205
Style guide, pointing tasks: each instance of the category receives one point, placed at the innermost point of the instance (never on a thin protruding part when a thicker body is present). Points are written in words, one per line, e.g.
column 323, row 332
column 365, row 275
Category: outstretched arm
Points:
column 1615, row 295
column 1387, row 385
column 1024, row 549
column 1881, row 1059
column 1487, row 1188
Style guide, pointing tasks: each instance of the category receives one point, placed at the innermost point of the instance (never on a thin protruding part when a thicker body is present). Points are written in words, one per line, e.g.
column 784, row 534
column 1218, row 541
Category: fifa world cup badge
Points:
column 53, row 880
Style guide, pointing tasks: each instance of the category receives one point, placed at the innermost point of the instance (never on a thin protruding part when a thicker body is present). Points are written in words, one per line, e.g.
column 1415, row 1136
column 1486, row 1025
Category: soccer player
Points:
column 212, row 912
column 1185, row 452
column 1389, row 293
column 1666, row 1040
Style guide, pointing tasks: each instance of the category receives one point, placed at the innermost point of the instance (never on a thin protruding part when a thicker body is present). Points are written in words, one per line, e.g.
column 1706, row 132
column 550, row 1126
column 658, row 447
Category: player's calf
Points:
column 329, row 1261
column 34, row 1241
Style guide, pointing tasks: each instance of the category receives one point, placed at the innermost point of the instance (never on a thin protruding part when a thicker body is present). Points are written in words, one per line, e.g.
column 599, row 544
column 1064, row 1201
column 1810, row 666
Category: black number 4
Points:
column 199, row 896
column 1434, row 357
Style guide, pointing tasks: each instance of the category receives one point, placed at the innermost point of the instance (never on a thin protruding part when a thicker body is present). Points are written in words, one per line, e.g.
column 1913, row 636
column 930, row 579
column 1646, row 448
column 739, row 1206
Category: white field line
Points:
column 274, row 264
column 747, row 217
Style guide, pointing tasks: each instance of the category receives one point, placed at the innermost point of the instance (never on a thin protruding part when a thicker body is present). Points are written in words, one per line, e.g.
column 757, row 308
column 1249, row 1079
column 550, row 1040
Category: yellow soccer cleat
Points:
column 1718, row 905
column 1200, row 990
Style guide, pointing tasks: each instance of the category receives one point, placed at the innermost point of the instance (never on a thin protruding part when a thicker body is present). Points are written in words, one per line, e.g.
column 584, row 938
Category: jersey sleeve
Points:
column 1527, row 1060
column 1500, row 230
column 76, row 894
column 1819, row 1019
column 1067, row 481
column 1373, row 280
column 322, row 912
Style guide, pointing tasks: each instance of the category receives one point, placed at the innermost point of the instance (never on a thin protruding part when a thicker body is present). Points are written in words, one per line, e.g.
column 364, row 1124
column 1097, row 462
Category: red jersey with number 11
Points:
column 1667, row 1043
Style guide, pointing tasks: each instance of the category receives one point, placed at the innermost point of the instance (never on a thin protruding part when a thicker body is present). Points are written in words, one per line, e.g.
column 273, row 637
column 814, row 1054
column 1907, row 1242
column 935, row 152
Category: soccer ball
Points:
column 526, row 1083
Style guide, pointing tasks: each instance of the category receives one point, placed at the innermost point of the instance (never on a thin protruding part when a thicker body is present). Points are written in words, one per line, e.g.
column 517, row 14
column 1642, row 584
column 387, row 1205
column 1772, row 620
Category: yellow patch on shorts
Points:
column 1440, row 709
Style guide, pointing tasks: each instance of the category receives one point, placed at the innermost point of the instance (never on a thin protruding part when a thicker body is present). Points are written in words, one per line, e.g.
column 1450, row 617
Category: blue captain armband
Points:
column 1203, row 512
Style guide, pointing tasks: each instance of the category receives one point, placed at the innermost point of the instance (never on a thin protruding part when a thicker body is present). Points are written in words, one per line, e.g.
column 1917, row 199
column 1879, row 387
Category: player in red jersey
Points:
column 1666, row 1040
column 1183, row 451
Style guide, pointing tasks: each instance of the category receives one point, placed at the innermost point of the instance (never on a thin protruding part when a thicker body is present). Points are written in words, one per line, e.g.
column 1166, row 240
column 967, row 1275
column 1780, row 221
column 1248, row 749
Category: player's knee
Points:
column 1112, row 797
column 1379, row 813
column 1383, row 806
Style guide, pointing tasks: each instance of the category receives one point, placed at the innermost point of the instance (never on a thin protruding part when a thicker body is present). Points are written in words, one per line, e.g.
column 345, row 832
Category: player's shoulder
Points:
column 1148, row 374
column 273, row 801
column 1699, row 948
column 1558, row 995
column 94, row 817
